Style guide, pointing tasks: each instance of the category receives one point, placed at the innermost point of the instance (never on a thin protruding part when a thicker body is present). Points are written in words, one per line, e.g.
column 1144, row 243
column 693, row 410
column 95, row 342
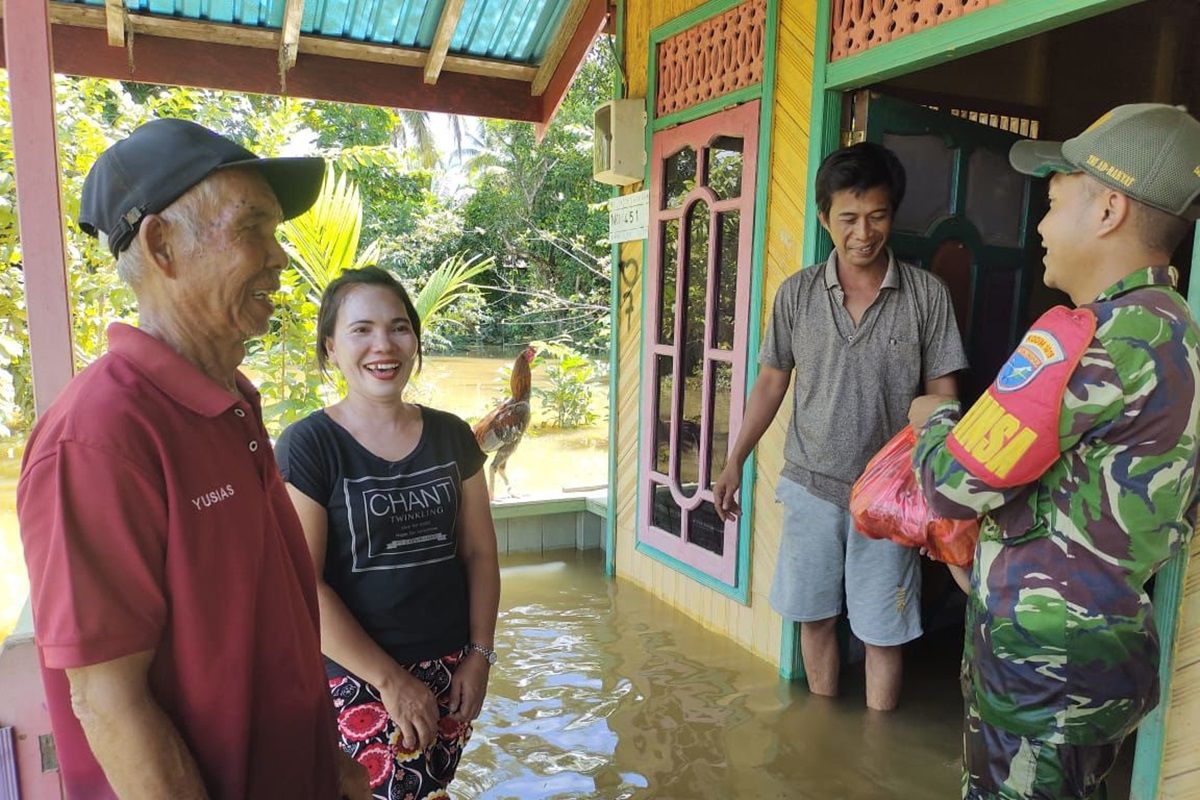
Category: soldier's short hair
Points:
column 1159, row 230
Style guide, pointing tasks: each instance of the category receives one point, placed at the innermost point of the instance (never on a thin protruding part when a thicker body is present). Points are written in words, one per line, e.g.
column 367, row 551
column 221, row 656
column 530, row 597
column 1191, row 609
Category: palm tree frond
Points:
column 446, row 283
column 323, row 241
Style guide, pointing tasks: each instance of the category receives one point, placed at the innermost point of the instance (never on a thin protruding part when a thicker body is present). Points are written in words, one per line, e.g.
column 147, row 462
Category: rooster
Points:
column 501, row 430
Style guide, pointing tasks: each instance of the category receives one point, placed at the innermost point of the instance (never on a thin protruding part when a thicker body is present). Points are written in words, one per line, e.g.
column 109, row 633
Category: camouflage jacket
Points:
column 1060, row 641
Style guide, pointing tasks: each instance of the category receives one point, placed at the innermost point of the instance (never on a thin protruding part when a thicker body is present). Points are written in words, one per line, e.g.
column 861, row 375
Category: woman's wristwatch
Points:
column 488, row 653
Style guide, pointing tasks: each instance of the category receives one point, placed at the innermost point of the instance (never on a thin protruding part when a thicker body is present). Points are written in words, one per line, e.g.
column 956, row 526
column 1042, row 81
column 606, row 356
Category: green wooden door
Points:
column 966, row 217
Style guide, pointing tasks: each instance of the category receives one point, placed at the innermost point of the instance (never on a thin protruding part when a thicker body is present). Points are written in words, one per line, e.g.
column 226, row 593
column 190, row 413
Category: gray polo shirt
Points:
column 854, row 384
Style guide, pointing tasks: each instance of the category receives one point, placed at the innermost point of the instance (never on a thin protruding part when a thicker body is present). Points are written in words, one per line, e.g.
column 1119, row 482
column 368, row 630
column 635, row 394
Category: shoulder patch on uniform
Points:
column 1010, row 436
column 1038, row 350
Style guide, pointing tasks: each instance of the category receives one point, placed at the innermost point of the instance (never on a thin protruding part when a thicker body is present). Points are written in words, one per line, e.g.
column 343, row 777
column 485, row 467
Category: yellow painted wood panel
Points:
column 1181, row 752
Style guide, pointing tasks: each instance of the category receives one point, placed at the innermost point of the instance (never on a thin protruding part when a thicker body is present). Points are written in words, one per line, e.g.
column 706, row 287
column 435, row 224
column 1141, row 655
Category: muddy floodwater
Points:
column 549, row 460
column 603, row 691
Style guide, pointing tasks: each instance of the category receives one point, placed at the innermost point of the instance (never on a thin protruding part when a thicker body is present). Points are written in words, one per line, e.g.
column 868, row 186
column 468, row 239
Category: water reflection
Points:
column 604, row 692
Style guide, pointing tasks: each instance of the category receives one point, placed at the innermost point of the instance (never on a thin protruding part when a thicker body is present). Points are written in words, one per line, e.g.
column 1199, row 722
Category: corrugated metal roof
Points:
column 509, row 30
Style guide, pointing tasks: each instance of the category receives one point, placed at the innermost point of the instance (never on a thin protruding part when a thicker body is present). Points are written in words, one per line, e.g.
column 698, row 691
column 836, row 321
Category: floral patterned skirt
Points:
column 369, row 735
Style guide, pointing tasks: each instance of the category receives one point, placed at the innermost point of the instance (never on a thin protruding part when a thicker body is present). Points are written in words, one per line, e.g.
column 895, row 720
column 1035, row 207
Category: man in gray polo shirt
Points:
column 864, row 335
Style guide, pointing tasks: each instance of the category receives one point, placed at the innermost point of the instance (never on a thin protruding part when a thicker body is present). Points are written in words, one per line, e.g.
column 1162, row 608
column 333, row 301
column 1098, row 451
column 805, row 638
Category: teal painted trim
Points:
column 970, row 33
column 651, row 89
column 758, row 264
column 1151, row 737
column 702, row 578
column 699, row 110
column 687, row 20
column 1168, row 598
column 1194, row 283
column 614, row 334
column 791, row 665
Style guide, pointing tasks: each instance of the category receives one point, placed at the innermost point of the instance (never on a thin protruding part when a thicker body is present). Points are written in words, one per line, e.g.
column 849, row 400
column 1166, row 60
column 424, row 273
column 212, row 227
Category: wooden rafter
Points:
column 589, row 28
column 451, row 12
column 84, row 51
column 114, row 21
column 558, row 46
column 80, row 16
column 289, row 38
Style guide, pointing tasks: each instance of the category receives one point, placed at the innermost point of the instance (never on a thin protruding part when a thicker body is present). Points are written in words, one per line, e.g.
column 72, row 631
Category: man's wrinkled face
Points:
column 859, row 225
column 233, row 269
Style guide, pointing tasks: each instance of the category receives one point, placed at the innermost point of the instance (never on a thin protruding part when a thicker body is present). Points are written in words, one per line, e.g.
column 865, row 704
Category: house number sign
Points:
column 628, row 217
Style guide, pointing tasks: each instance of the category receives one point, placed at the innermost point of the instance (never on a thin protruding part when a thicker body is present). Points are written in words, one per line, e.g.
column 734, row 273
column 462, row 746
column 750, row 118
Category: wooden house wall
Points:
column 754, row 625
column 1180, row 777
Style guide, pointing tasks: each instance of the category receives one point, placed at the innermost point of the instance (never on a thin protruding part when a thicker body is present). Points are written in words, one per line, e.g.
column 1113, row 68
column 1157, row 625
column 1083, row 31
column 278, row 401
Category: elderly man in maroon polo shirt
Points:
column 173, row 595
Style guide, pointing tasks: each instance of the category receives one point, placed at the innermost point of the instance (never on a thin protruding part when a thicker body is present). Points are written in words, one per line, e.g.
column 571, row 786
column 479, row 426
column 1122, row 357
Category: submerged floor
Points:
column 604, row 692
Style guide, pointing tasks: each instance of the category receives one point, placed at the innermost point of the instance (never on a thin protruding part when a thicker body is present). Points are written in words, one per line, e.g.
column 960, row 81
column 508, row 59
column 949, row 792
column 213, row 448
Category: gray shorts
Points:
column 820, row 552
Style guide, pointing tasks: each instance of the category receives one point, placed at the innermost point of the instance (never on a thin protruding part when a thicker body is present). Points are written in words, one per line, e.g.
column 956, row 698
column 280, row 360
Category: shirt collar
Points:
column 891, row 278
column 1147, row 276
column 174, row 375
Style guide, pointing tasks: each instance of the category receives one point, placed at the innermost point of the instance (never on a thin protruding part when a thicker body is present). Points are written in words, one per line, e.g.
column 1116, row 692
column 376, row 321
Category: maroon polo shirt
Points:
column 153, row 518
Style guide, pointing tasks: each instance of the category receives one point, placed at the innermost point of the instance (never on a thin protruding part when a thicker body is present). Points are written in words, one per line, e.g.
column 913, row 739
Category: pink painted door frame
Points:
column 29, row 60
column 741, row 122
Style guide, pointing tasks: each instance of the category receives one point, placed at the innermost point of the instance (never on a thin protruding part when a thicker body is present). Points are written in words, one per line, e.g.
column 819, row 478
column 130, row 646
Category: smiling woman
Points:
column 395, row 511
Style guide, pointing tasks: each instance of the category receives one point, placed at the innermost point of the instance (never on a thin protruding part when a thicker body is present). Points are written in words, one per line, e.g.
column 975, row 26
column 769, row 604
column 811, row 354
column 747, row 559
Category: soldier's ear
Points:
column 1115, row 210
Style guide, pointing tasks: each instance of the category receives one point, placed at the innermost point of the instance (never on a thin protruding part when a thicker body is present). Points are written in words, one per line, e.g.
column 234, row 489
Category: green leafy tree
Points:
column 92, row 114
column 536, row 208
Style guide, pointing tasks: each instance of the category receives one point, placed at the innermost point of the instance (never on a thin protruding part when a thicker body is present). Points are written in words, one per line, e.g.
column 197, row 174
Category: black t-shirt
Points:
column 392, row 544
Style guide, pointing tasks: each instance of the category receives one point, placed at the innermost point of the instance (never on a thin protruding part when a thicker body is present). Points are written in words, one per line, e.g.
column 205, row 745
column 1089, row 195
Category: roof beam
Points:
column 219, row 64
column 114, row 20
column 76, row 15
column 576, row 50
column 558, row 46
column 289, row 37
column 451, row 12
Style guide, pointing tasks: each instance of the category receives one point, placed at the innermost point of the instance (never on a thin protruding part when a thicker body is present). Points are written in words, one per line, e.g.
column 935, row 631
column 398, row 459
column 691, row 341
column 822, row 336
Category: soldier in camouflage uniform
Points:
column 1061, row 656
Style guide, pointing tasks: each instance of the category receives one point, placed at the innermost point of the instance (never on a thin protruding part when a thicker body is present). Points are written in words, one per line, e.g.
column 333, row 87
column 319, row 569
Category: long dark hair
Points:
column 335, row 293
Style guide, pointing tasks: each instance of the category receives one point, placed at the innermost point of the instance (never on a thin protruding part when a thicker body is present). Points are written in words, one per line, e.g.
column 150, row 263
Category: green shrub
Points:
column 568, row 401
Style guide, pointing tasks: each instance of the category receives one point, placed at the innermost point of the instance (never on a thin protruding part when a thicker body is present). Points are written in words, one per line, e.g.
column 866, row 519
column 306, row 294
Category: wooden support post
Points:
column 39, row 207
column 114, row 19
column 451, row 12
column 289, row 40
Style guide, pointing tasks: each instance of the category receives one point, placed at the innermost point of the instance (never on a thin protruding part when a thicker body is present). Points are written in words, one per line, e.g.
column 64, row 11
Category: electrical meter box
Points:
column 619, row 142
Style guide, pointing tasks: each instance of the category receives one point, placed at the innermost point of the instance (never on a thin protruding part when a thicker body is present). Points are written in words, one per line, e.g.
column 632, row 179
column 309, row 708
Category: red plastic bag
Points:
column 887, row 503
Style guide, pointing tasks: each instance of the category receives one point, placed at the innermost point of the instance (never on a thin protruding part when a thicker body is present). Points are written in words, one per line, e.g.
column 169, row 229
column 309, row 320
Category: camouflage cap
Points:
column 1149, row 151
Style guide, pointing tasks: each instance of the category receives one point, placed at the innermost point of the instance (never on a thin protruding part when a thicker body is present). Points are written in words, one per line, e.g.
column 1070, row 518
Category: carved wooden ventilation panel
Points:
column 859, row 25
column 713, row 58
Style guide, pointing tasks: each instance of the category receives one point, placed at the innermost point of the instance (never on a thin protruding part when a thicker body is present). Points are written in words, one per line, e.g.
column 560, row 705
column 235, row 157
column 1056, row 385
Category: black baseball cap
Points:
column 153, row 166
